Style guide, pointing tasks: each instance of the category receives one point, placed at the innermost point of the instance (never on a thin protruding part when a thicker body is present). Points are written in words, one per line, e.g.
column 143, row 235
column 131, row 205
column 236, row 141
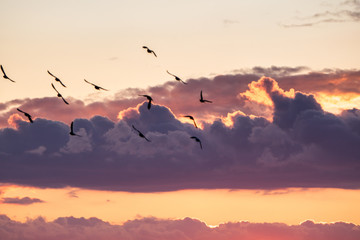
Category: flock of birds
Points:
column 149, row 99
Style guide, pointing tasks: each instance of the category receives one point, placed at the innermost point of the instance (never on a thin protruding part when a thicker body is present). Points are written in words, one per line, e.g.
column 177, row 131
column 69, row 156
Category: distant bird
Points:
column 198, row 140
column 26, row 114
column 140, row 134
column 176, row 77
column 149, row 99
column 59, row 95
column 5, row 76
column 192, row 118
column 72, row 130
column 56, row 79
column 202, row 100
column 149, row 50
column 96, row 86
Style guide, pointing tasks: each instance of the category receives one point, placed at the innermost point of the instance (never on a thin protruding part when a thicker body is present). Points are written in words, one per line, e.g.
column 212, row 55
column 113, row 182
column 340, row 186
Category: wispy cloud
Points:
column 348, row 11
column 164, row 229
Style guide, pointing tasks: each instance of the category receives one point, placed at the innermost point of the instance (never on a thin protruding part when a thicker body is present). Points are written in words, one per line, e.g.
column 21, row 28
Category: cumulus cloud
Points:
column 300, row 146
column 21, row 201
column 224, row 90
column 153, row 228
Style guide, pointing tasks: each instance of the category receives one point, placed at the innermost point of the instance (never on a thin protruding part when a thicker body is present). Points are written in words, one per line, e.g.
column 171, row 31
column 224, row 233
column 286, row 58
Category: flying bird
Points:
column 59, row 95
column 192, row 118
column 56, row 79
column 96, row 86
column 5, row 76
column 26, row 114
column 149, row 50
column 176, row 77
column 197, row 140
column 140, row 133
column 149, row 99
column 72, row 130
column 202, row 100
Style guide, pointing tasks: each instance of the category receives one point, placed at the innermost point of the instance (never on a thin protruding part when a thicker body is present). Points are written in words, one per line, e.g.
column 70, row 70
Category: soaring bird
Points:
column 56, row 79
column 192, row 118
column 176, row 77
column 198, row 140
column 72, row 130
column 149, row 50
column 26, row 115
column 5, row 76
column 59, row 95
column 96, row 86
column 202, row 100
column 149, row 99
column 140, row 134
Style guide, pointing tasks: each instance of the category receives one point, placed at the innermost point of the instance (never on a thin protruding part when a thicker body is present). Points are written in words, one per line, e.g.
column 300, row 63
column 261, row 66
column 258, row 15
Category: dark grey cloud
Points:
column 21, row 201
column 303, row 146
column 164, row 229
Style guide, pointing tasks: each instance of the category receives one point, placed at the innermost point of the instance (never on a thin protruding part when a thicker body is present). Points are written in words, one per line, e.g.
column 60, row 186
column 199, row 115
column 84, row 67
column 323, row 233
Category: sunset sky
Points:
column 280, row 156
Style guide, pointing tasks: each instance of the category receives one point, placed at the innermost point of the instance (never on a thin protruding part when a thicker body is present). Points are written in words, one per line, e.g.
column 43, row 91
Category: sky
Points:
column 278, row 158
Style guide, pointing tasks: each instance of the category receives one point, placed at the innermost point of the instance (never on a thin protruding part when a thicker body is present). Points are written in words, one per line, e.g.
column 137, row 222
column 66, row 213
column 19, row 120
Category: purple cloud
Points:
column 21, row 201
column 303, row 146
column 163, row 229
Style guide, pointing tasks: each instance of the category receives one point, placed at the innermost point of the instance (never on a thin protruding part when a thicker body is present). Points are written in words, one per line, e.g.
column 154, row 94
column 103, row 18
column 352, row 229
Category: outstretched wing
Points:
column 64, row 100
column 51, row 74
column 2, row 69
column 54, row 88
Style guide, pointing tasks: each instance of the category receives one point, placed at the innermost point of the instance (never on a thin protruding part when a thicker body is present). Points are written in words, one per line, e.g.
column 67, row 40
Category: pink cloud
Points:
column 164, row 229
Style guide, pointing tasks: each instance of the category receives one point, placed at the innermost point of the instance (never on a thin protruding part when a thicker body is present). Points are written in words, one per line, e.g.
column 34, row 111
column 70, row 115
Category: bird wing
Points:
column 149, row 104
column 145, row 47
column 183, row 81
column 170, row 73
column 135, row 128
column 29, row 117
column 195, row 123
column 20, row 110
column 208, row 101
column 103, row 88
column 89, row 82
column 54, row 88
column 2, row 69
column 201, row 97
column 72, row 126
column 147, row 139
column 61, row 83
column 200, row 144
column 51, row 73
column 153, row 53
column 64, row 100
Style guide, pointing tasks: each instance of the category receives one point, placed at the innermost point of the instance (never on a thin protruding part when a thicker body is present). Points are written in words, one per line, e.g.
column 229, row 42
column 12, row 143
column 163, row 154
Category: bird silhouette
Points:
column 26, row 114
column 149, row 50
column 72, row 130
column 202, row 100
column 192, row 118
column 59, row 95
column 176, row 77
column 5, row 76
column 96, row 86
column 197, row 140
column 149, row 99
column 140, row 133
column 56, row 79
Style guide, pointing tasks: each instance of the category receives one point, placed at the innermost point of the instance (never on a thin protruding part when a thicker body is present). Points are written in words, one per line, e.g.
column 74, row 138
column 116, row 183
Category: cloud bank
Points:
column 153, row 228
column 302, row 146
